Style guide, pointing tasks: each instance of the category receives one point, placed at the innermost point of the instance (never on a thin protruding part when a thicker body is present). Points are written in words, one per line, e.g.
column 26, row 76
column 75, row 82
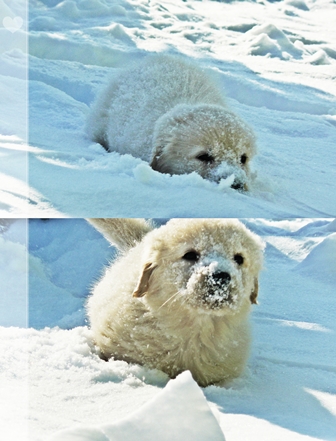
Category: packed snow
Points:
column 288, row 390
column 275, row 62
column 160, row 418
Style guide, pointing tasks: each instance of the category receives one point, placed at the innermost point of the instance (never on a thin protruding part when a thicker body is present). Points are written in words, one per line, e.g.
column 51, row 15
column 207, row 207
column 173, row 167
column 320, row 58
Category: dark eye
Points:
column 243, row 159
column 239, row 259
column 205, row 157
column 192, row 256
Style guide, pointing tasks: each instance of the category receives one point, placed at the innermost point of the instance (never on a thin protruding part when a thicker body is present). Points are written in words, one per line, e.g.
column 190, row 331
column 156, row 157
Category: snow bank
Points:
column 321, row 261
column 59, row 281
column 179, row 412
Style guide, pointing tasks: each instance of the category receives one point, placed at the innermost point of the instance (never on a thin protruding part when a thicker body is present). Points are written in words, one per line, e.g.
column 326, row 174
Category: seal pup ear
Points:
column 143, row 284
column 254, row 293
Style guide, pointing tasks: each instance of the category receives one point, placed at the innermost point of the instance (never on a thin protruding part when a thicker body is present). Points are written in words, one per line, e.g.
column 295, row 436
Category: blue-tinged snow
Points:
column 275, row 62
column 288, row 390
column 13, row 108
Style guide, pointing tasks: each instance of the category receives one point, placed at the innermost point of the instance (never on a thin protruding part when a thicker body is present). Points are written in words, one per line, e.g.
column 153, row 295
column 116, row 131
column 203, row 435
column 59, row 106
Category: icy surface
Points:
column 275, row 62
column 287, row 391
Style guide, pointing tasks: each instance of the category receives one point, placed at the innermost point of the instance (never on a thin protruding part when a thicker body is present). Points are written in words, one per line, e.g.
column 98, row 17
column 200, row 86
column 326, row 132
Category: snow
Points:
column 288, row 390
column 13, row 272
column 180, row 412
column 274, row 61
column 323, row 258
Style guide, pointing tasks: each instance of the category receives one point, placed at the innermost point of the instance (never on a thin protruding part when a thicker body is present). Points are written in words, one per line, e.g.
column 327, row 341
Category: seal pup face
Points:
column 207, row 265
column 206, row 139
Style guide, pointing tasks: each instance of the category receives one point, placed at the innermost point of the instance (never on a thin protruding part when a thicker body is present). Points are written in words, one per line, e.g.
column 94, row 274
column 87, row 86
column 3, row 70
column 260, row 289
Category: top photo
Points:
column 146, row 108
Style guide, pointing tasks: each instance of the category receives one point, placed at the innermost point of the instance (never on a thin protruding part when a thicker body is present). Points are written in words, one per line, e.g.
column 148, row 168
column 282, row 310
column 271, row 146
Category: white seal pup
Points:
column 169, row 112
column 178, row 297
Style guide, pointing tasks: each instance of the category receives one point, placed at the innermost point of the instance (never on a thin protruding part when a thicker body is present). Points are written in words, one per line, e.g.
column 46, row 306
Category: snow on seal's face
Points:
column 207, row 139
column 211, row 266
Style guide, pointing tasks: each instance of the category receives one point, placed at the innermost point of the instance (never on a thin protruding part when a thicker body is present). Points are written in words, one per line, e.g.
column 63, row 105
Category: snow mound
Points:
column 318, row 58
column 299, row 4
column 321, row 261
column 331, row 226
column 179, row 412
column 268, row 40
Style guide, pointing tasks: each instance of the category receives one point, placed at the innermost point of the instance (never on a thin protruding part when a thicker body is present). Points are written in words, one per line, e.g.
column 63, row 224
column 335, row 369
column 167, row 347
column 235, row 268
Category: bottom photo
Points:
column 168, row 329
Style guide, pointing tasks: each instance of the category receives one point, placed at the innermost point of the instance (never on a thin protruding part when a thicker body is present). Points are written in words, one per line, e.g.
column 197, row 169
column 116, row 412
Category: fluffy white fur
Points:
column 169, row 112
column 179, row 299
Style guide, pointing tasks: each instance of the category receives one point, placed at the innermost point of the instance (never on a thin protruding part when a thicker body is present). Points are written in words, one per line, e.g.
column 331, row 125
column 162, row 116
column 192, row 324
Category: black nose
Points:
column 237, row 185
column 222, row 277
